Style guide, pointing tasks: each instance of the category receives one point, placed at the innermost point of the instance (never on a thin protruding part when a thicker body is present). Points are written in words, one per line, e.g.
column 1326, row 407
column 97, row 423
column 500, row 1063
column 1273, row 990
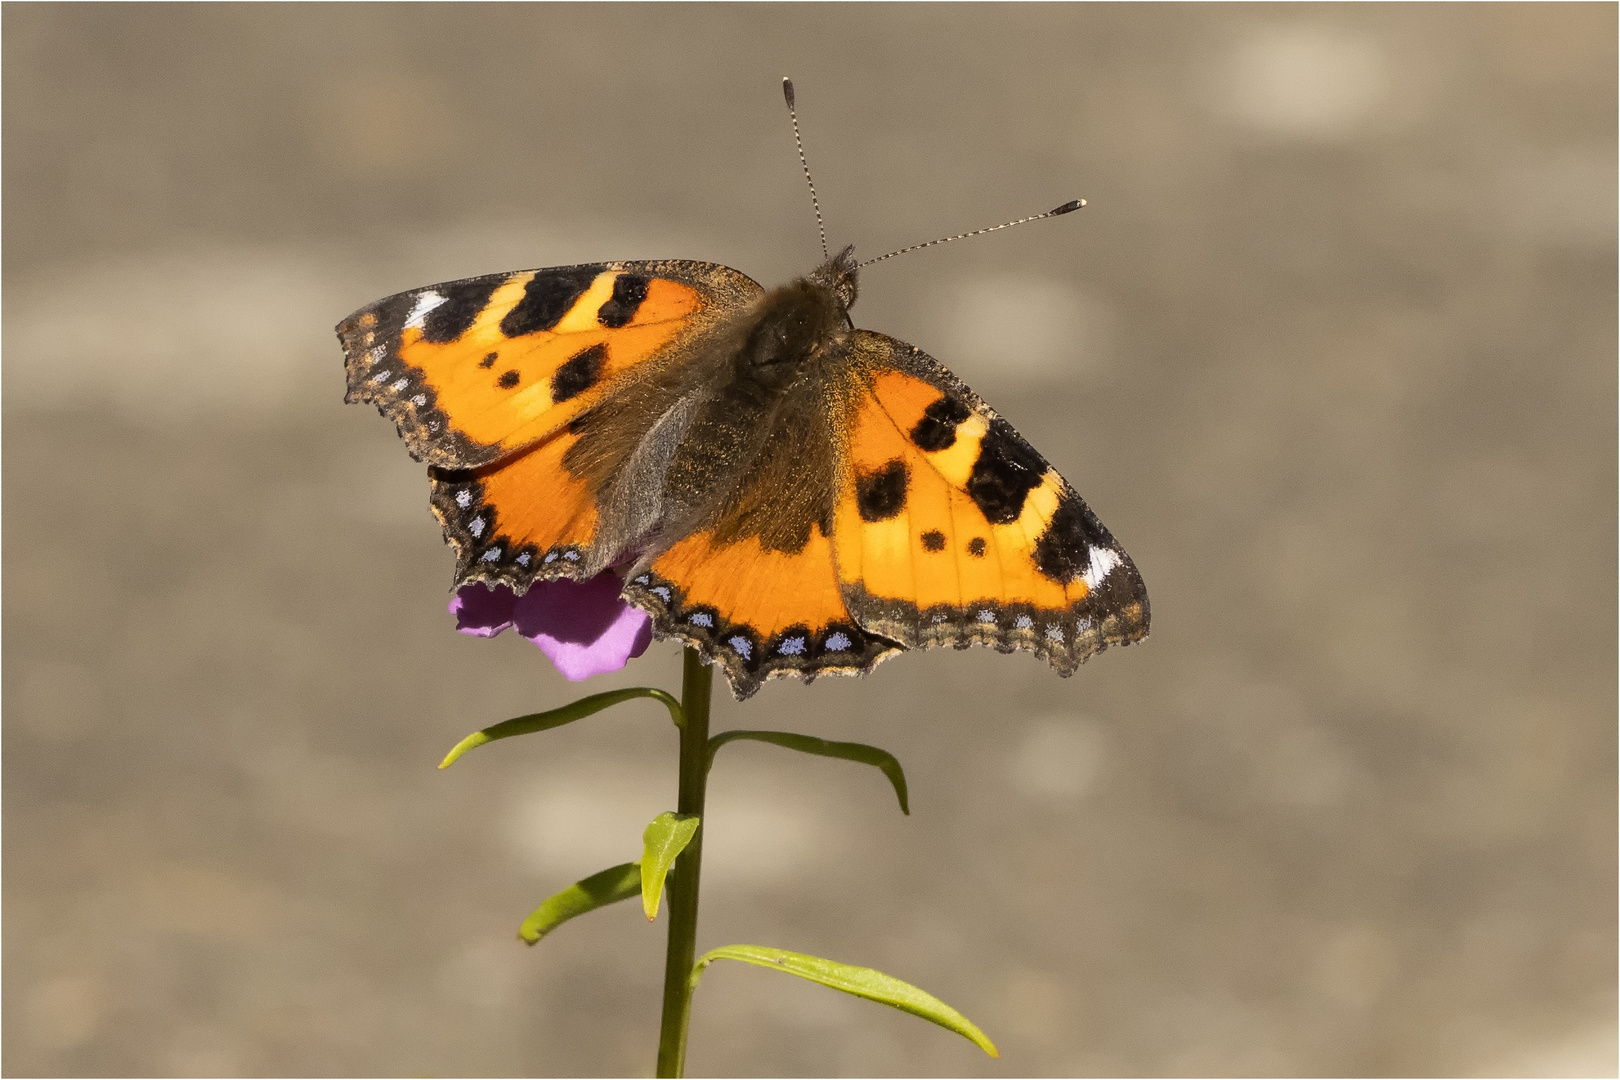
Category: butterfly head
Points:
column 798, row 322
column 838, row 275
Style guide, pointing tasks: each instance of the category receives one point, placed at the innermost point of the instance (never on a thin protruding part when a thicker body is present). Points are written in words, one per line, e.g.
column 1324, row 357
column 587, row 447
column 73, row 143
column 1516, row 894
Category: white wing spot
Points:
column 1083, row 625
column 1023, row 622
column 838, row 642
column 400, row 385
column 424, row 304
column 523, row 559
column 941, row 617
column 464, row 498
column 792, row 646
column 701, row 618
column 986, row 615
column 433, row 425
column 660, row 591
column 382, row 376
column 643, row 579
column 551, row 557
column 376, row 355
column 744, row 647
column 419, row 400
column 1102, row 562
column 492, row 555
column 476, row 526
column 571, row 556
column 1054, row 633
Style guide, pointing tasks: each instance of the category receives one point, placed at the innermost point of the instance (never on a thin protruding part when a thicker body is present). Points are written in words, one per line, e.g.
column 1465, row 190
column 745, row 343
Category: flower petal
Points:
column 482, row 610
column 583, row 626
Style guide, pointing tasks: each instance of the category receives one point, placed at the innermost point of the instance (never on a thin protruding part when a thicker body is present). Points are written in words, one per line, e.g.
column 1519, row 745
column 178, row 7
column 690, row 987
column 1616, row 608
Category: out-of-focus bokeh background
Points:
column 1332, row 351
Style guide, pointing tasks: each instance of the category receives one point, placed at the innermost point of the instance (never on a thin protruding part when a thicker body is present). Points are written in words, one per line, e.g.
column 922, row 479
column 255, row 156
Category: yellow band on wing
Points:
column 582, row 316
column 955, row 462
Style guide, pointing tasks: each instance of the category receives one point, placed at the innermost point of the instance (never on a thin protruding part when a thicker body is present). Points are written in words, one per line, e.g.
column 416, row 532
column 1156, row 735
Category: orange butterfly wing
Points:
column 759, row 613
column 949, row 529
column 474, row 370
column 521, row 519
column 952, row 530
column 483, row 375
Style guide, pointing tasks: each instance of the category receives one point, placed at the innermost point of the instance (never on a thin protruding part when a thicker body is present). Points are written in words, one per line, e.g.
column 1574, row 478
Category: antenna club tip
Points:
column 787, row 90
column 1067, row 208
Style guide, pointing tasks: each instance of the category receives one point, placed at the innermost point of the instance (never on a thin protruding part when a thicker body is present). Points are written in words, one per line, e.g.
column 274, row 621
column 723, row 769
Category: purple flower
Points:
column 582, row 626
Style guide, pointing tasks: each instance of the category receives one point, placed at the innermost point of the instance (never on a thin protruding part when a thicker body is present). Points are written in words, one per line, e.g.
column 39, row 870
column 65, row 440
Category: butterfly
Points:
column 782, row 491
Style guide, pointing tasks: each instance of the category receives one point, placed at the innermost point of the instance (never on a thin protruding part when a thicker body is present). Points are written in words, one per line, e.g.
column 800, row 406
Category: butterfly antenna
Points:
column 787, row 92
column 1066, row 208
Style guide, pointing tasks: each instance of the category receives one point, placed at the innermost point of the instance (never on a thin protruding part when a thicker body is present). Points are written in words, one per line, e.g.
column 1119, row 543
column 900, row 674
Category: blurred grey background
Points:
column 1332, row 351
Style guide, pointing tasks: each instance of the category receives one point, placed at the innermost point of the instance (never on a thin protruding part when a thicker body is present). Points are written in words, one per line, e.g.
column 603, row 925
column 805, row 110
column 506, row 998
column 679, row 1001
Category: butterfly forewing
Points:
column 474, row 370
column 952, row 530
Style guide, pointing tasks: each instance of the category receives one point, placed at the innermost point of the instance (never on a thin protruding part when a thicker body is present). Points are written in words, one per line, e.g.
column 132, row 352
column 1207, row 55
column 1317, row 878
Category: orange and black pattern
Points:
column 783, row 493
column 473, row 370
column 953, row 530
column 519, row 520
column 758, row 613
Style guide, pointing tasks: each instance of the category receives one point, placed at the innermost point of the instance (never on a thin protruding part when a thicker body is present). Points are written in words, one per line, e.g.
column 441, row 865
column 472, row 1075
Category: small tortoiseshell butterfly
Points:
column 784, row 492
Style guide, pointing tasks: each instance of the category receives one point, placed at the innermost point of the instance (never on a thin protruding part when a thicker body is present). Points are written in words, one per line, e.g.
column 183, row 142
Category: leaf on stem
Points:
column 567, row 714
column 809, row 744
column 599, row 890
column 860, row 981
column 664, row 839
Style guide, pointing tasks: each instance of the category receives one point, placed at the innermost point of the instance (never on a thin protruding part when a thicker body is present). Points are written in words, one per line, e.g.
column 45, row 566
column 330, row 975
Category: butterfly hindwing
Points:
column 474, row 370
column 952, row 530
column 526, row 517
column 758, row 612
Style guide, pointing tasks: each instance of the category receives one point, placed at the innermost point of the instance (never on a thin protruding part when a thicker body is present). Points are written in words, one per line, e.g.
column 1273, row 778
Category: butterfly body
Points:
column 787, row 493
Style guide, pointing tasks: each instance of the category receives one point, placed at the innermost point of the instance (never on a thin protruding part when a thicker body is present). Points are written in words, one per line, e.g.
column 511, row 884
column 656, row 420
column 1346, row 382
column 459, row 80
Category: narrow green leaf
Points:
column 809, row 744
column 567, row 714
column 664, row 839
column 598, row 890
column 860, row 981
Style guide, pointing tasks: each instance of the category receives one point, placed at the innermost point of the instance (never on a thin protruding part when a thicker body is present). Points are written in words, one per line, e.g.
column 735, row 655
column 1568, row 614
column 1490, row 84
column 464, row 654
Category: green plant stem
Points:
column 696, row 681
